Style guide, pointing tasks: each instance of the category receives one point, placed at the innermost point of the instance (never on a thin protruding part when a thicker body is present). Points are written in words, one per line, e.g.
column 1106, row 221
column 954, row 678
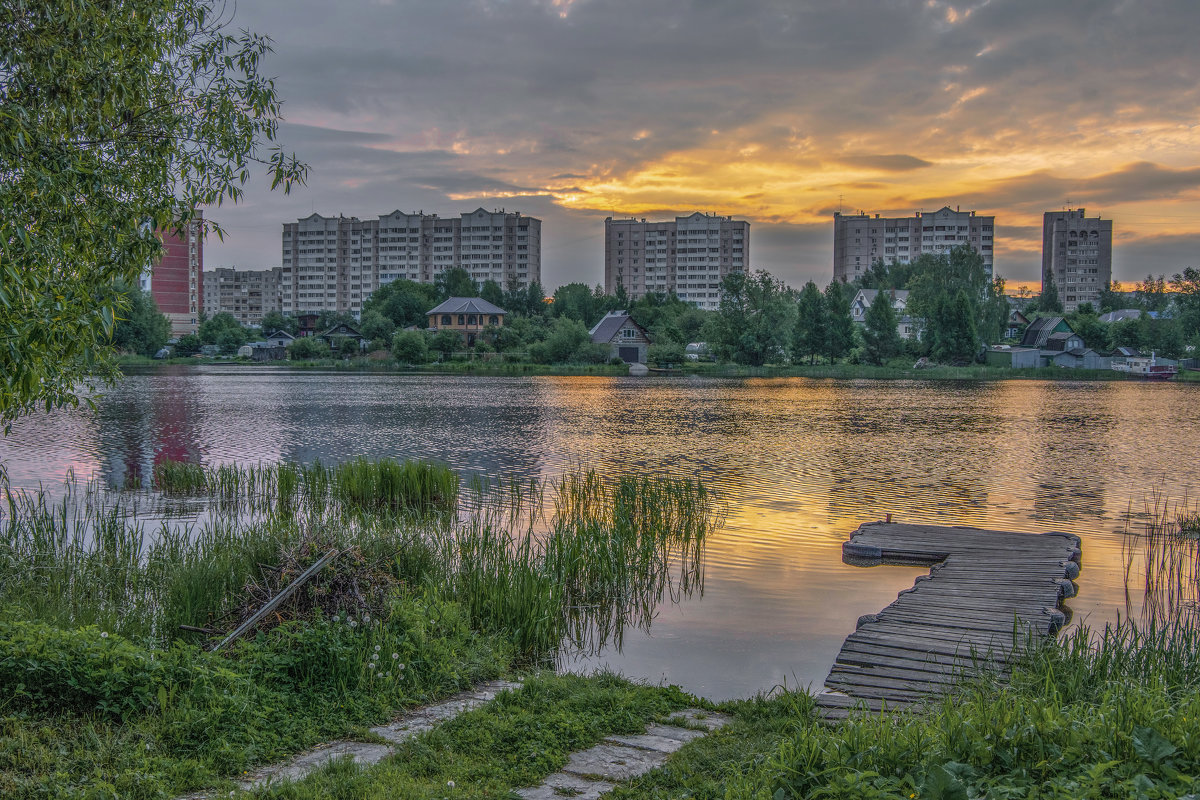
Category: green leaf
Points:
column 941, row 785
column 1151, row 745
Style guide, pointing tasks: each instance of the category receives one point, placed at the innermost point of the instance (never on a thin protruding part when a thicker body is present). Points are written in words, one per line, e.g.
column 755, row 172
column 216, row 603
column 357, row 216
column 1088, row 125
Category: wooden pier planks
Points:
column 986, row 593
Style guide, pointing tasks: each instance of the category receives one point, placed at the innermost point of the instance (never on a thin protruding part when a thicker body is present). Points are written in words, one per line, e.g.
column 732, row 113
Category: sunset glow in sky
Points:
column 776, row 111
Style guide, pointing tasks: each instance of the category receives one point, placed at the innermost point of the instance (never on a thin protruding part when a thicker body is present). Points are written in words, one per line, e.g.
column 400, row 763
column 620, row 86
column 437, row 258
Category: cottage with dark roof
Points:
column 467, row 315
column 626, row 339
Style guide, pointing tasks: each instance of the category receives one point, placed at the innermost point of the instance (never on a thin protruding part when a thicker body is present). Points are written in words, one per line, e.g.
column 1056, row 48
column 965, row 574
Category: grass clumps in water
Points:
column 375, row 486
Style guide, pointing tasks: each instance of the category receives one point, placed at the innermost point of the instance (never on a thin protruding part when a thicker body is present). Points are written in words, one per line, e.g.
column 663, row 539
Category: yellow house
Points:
column 468, row 315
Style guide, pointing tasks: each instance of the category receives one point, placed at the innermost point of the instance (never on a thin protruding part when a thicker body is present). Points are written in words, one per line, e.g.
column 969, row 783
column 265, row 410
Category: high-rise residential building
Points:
column 247, row 294
column 334, row 263
column 689, row 256
column 1077, row 256
column 860, row 240
column 175, row 282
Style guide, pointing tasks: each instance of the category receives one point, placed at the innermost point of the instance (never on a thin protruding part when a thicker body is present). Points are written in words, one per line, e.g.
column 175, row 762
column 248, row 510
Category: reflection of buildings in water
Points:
column 148, row 419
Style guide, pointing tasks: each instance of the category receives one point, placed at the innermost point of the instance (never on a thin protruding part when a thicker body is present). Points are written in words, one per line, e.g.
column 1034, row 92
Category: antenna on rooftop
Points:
column 841, row 200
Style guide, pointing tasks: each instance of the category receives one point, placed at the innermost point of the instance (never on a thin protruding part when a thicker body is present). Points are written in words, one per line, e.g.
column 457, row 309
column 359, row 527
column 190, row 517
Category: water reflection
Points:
column 799, row 464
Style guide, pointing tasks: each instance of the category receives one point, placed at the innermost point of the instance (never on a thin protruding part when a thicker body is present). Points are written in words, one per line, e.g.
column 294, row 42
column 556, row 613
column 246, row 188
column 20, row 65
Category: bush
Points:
column 308, row 348
column 410, row 347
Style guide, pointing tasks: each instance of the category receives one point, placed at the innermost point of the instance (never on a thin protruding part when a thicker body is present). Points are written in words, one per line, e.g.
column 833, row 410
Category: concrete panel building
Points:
column 689, row 256
column 334, row 263
column 1077, row 256
column 860, row 240
column 247, row 294
column 176, row 282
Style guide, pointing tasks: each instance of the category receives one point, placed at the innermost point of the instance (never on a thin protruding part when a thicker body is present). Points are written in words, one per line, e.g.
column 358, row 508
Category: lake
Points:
column 797, row 464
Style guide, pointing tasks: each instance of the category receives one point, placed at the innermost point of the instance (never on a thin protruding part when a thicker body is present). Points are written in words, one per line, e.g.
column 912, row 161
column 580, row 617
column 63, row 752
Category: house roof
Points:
column 279, row 334
column 1120, row 315
column 1058, row 341
column 466, row 305
column 349, row 328
column 868, row 295
column 604, row 330
column 1040, row 329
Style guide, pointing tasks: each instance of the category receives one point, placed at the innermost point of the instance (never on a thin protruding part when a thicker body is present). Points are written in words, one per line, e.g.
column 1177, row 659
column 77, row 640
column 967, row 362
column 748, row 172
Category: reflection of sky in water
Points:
column 798, row 463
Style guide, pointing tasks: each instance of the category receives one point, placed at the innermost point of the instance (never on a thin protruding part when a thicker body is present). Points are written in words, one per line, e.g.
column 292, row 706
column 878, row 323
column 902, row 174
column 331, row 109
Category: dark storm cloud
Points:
column 409, row 103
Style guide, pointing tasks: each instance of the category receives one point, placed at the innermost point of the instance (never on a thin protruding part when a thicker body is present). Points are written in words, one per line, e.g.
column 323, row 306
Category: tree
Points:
column 224, row 331
column 404, row 302
column 810, row 334
column 755, row 319
column 1187, row 300
column 1110, row 298
column 142, row 328
column 119, row 120
column 881, row 341
column 575, row 300
column 566, row 342
column 274, row 321
column 839, row 335
column 1048, row 302
column 410, row 347
column 1086, row 323
column 954, row 338
column 328, row 319
column 492, row 292
column 1152, row 293
column 375, row 325
column 456, row 282
column 188, row 345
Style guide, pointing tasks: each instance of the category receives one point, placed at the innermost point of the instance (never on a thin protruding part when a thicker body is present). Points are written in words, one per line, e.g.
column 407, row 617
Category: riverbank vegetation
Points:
column 106, row 621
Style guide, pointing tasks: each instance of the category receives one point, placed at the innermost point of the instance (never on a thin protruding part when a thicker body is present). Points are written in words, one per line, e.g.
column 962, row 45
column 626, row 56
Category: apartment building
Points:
column 334, row 263
column 689, row 256
column 1077, row 256
column 175, row 282
column 861, row 239
column 247, row 294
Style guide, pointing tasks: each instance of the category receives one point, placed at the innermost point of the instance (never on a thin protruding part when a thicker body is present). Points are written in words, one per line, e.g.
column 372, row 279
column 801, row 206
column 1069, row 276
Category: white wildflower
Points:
column 395, row 656
column 353, row 624
column 103, row 634
column 376, row 648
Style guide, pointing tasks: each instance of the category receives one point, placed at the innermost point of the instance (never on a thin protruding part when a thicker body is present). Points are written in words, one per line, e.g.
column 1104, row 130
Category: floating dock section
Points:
column 987, row 593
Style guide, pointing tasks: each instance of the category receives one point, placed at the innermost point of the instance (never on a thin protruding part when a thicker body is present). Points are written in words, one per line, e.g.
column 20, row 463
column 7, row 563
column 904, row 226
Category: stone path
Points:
column 591, row 773
column 366, row 753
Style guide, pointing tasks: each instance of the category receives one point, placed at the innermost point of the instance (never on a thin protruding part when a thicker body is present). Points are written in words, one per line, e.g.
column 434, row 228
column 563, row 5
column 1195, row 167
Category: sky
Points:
column 775, row 111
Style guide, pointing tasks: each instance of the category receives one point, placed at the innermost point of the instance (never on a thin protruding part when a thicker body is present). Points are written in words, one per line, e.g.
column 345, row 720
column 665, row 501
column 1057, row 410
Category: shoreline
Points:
column 980, row 373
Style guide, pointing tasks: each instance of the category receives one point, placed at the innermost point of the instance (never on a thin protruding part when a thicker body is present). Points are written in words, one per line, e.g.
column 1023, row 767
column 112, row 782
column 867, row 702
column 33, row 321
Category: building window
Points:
column 446, row 319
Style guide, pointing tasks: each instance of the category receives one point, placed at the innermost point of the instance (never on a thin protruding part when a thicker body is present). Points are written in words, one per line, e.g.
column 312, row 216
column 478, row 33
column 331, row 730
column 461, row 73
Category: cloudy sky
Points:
column 776, row 111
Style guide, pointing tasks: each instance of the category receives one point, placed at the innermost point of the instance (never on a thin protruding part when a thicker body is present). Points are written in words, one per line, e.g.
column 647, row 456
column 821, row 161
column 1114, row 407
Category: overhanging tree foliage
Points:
column 116, row 120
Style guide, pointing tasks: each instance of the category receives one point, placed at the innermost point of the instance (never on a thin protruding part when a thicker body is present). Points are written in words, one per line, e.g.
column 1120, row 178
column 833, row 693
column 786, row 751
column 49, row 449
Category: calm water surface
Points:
column 798, row 464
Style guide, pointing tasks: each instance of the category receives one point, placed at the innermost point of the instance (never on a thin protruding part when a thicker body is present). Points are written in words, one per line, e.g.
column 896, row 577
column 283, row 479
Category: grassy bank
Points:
column 434, row 588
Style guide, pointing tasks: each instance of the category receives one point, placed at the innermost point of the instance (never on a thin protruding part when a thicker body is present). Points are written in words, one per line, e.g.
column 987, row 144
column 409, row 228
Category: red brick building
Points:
column 176, row 282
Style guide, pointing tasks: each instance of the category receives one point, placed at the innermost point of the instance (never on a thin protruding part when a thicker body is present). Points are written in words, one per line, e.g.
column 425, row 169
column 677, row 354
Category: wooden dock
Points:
column 986, row 593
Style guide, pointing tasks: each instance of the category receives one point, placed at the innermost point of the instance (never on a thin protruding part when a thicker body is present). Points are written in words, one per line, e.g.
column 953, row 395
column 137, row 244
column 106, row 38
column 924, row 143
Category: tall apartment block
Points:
column 689, row 256
column 1077, row 256
column 175, row 282
column 334, row 263
column 860, row 239
column 247, row 294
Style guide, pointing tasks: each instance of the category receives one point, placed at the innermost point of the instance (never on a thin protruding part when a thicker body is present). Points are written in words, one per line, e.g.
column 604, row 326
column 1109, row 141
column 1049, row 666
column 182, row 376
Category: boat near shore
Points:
column 1146, row 368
